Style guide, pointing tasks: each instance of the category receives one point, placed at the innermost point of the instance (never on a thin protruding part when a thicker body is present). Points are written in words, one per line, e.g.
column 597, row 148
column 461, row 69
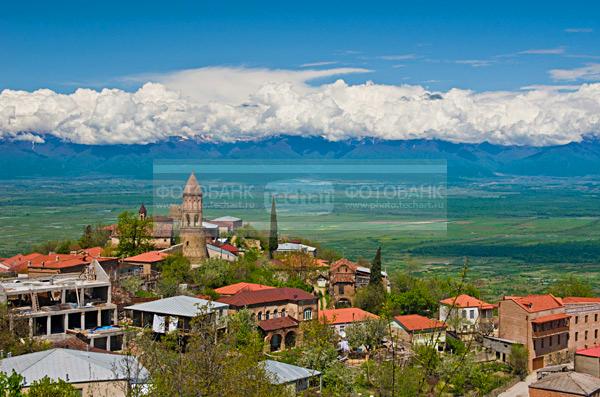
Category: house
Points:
column 215, row 251
column 91, row 373
column 538, row 322
column 296, row 378
column 345, row 278
column 60, row 303
column 284, row 248
column 176, row 313
column 467, row 315
column 585, row 322
column 341, row 318
column 565, row 384
column 233, row 289
column 269, row 307
column 227, row 223
column 588, row 361
column 419, row 330
column 18, row 263
column 146, row 262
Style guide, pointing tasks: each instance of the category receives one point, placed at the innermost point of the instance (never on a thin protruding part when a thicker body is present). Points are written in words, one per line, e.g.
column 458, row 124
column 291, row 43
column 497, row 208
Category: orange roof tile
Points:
column 416, row 322
column 346, row 315
column 465, row 300
column 343, row 261
column 18, row 263
column 576, row 299
column 550, row 317
column 148, row 257
column 536, row 303
column 239, row 287
column 246, row 298
column 273, row 324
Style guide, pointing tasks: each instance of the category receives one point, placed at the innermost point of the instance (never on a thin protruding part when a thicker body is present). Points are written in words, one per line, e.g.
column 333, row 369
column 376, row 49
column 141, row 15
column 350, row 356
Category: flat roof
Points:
column 182, row 305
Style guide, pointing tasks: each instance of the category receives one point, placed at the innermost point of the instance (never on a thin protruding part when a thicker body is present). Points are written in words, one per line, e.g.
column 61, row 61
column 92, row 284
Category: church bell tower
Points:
column 191, row 232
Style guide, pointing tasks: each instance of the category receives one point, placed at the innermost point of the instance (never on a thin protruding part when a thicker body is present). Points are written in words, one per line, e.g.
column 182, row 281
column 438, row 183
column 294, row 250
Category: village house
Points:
column 176, row 313
column 277, row 311
column 466, row 315
column 588, row 361
column 66, row 303
column 145, row 263
column 284, row 248
column 566, row 384
column 90, row 373
column 538, row 322
column 296, row 379
column 585, row 322
column 225, row 252
column 342, row 318
column 418, row 330
column 226, row 224
column 345, row 278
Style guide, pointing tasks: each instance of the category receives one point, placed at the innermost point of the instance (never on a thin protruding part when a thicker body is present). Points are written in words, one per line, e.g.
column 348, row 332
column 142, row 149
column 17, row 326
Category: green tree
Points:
column 47, row 387
column 273, row 237
column 518, row 360
column 11, row 385
column 174, row 270
column 375, row 278
column 94, row 236
column 572, row 285
column 370, row 298
column 134, row 234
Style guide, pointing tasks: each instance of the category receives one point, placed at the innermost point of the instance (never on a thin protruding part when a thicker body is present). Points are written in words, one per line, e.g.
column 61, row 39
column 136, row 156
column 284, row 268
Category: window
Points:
column 596, row 317
column 307, row 314
column 576, row 319
column 576, row 335
column 542, row 343
column 586, row 318
column 558, row 339
column 596, row 333
column 585, row 335
column 275, row 313
column 341, row 289
column 464, row 314
column 259, row 316
column 550, row 341
column 267, row 315
column 282, row 312
column 471, row 314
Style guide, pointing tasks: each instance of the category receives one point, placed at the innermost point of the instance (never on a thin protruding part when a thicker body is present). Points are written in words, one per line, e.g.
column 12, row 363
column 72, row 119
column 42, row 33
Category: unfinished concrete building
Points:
column 66, row 303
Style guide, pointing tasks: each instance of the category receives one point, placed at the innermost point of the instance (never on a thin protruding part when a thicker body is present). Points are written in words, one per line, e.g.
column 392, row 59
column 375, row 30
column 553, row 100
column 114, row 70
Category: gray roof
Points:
column 295, row 247
column 281, row 373
column 74, row 366
column 569, row 382
column 226, row 219
column 182, row 305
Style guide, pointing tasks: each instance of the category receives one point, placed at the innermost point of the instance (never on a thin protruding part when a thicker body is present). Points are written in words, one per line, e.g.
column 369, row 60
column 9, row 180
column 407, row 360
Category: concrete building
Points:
column 277, row 311
column 64, row 302
column 418, row 330
column 539, row 323
column 584, row 327
column 92, row 374
column 176, row 313
column 588, row 361
column 565, row 384
column 342, row 318
column 467, row 315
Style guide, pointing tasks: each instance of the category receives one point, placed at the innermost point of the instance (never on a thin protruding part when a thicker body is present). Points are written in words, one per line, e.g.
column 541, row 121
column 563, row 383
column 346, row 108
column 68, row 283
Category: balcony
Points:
column 551, row 331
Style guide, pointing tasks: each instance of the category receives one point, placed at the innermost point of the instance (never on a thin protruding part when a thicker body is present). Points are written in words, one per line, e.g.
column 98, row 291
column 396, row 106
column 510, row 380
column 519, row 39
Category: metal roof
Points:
column 281, row 373
column 74, row 366
column 182, row 305
column 574, row 383
column 226, row 218
column 295, row 247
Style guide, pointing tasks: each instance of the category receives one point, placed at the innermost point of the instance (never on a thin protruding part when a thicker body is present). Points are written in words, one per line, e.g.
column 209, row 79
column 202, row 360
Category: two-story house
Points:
column 584, row 329
column 538, row 322
column 467, row 315
column 346, row 277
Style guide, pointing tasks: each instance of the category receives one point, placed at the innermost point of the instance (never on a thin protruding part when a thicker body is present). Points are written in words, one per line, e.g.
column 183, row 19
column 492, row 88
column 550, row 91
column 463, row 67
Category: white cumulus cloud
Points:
column 228, row 104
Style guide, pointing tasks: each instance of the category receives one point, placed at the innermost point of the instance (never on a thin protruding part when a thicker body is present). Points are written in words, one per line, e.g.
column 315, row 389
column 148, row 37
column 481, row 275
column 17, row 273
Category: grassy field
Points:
column 519, row 234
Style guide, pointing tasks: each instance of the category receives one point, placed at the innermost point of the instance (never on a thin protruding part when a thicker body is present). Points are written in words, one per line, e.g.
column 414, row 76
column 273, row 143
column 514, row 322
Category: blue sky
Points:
column 440, row 45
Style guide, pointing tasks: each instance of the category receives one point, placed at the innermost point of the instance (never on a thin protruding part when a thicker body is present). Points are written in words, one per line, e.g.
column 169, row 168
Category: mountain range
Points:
column 55, row 158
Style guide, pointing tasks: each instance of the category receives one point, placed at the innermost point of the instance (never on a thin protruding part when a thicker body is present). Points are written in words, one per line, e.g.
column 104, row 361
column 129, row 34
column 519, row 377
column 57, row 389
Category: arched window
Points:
column 187, row 218
column 259, row 316
column 282, row 312
column 267, row 315
column 275, row 313
column 307, row 314
column 196, row 220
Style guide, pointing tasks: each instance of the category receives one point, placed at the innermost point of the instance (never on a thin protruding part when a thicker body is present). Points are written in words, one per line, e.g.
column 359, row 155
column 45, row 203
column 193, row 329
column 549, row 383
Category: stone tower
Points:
column 190, row 232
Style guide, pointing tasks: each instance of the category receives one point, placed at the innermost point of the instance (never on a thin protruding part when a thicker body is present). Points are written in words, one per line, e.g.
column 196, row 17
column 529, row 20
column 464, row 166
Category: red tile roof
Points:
column 576, row 299
column 591, row 352
column 273, row 324
column 416, row 322
column 65, row 261
column 346, row 315
column 239, row 287
column 465, row 300
column 343, row 261
column 247, row 298
column 148, row 257
column 18, row 263
column 536, row 303
column 550, row 317
column 230, row 248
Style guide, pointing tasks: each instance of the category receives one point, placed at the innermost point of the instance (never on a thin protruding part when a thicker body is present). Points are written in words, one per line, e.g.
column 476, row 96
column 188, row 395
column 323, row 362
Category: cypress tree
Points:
column 376, row 268
column 273, row 240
